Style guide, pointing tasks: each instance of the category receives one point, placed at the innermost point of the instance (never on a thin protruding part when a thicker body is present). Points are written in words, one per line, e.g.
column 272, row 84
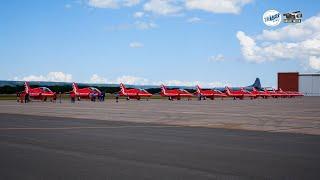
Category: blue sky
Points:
column 177, row 42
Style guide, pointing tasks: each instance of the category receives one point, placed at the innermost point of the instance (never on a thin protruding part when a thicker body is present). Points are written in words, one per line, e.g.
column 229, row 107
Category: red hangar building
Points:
column 306, row 83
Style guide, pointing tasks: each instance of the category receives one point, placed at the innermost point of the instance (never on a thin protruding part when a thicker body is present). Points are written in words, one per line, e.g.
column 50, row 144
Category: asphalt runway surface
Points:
column 39, row 147
column 294, row 115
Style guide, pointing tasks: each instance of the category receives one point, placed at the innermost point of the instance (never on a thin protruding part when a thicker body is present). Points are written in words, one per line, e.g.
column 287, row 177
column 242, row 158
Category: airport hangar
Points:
column 306, row 83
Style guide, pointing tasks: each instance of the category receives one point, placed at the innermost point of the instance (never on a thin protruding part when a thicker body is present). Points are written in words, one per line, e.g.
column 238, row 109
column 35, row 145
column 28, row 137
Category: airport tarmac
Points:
column 39, row 147
column 295, row 115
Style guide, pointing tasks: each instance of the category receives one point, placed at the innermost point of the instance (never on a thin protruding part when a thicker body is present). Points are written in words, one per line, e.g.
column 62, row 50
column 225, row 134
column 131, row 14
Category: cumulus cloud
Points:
column 174, row 7
column 126, row 79
column 51, row 76
column 138, row 14
column 217, row 6
column 193, row 83
column 136, row 45
column 112, row 3
column 294, row 32
column 131, row 2
column 314, row 62
column 216, row 58
column 141, row 25
column 193, row 20
column 282, row 44
column 134, row 80
column 162, row 7
column 103, row 3
column 95, row 78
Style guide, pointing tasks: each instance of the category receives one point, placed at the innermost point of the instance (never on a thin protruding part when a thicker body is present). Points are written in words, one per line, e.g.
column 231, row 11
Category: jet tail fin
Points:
column 122, row 88
column 163, row 88
column 75, row 87
column 227, row 90
column 198, row 89
column 26, row 87
column 256, row 84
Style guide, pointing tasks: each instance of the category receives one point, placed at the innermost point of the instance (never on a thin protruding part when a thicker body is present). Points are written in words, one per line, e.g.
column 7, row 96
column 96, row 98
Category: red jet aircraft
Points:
column 289, row 93
column 259, row 93
column 133, row 93
column 175, row 93
column 273, row 93
column 84, row 93
column 208, row 93
column 39, row 93
column 241, row 93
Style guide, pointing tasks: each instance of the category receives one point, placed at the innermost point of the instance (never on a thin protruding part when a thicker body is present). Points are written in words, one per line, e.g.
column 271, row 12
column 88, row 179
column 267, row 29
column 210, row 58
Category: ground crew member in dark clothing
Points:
column 26, row 98
column 60, row 97
column 18, row 96
column 117, row 97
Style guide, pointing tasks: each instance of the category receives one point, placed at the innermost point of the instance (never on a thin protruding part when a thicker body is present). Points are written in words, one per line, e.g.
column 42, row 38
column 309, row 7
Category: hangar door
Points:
column 309, row 84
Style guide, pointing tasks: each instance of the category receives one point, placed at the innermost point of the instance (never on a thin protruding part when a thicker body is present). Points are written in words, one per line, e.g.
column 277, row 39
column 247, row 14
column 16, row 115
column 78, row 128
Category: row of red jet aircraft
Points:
column 252, row 92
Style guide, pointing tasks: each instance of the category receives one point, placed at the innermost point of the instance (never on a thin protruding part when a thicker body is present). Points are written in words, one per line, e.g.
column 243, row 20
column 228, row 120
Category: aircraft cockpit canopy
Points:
column 45, row 89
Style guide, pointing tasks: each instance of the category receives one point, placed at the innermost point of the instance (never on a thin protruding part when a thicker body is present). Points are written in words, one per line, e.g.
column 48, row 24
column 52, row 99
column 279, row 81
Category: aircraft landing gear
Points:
column 128, row 98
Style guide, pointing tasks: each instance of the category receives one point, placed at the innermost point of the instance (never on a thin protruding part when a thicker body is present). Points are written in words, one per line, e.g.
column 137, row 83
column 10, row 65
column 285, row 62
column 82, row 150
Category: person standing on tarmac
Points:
column 18, row 96
column 117, row 97
column 26, row 98
column 103, row 95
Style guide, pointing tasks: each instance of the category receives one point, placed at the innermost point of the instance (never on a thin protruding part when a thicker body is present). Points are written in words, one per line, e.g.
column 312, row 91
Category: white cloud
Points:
column 282, row 44
column 112, row 3
column 131, row 2
column 103, row 3
column 173, row 7
column 293, row 32
column 216, row 58
column 132, row 80
column 138, row 14
column 314, row 62
column 192, row 83
column 51, row 76
column 136, row 45
column 126, row 79
column 162, row 7
column 217, row 6
column 193, row 20
column 95, row 78
column 141, row 25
